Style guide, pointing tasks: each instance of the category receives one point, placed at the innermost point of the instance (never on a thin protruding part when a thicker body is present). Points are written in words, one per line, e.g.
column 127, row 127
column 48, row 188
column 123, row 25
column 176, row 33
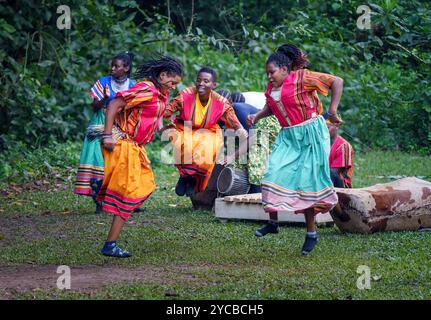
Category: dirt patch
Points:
column 22, row 278
column 18, row 279
column 34, row 227
column 31, row 227
column 53, row 183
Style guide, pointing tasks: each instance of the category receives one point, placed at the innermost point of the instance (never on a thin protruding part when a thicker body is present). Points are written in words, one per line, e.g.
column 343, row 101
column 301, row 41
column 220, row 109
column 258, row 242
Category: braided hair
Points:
column 298, row 57
column 290, row 56
column 127, row 58
column 152, row 69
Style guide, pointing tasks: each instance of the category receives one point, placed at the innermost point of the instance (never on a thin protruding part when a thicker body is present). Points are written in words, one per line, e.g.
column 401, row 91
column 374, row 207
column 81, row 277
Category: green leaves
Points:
column 4, row 26
column 46, row 73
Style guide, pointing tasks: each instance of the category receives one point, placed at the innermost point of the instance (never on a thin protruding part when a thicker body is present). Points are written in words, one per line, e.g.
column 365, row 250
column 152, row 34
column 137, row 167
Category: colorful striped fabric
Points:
column 205, row 143
column 298, row 200
column 299, row 99
column 219, row 109
column 85, row 174
column 341, row 157
column 91, row 165
column 129, row 180
column 103, row 87
column 144, row 107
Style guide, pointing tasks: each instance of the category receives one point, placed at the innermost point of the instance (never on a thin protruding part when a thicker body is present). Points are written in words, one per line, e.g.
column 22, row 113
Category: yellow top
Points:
column 200, row 110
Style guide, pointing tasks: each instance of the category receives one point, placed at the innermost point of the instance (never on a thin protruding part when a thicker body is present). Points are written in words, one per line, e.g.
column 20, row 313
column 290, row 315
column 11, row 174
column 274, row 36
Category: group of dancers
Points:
column 115, row 170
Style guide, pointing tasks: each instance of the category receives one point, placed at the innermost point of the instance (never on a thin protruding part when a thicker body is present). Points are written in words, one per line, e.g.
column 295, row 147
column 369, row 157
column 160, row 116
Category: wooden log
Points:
column 404, row 204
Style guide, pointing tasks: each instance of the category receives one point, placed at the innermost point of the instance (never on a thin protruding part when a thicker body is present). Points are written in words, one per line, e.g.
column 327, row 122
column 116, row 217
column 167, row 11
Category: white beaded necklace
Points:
column 117, row 87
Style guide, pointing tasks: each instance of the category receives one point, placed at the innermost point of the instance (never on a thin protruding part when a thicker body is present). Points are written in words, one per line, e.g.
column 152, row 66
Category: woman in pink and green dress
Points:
column 298, row 176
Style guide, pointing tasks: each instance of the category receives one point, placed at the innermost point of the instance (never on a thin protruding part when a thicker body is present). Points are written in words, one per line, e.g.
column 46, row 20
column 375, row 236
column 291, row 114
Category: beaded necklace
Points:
column 119, row 85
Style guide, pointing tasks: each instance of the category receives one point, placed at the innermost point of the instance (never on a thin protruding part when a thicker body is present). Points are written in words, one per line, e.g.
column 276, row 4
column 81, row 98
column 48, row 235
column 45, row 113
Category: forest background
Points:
column 47, row 66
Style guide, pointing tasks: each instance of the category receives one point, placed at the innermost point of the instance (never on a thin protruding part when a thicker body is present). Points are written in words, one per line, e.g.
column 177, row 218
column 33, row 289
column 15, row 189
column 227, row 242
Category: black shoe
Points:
column 98, row 207
column 309, row 244
column 270, row 227
column 180, row 188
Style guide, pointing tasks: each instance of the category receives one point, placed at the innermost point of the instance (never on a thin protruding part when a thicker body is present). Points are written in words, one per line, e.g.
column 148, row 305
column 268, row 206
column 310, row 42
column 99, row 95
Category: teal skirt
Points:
column 91, row 165
column 298, row 175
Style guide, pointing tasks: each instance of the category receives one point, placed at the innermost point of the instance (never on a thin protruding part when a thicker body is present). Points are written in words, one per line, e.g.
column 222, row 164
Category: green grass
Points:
column 202, row 258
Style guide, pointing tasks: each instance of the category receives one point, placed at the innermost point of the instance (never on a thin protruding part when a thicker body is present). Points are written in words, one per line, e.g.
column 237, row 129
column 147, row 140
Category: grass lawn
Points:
column 180, row 253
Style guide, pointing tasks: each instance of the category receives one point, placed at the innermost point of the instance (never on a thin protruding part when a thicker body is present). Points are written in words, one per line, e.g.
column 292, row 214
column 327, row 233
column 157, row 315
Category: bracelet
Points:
column 106, row 135
column 332, row 114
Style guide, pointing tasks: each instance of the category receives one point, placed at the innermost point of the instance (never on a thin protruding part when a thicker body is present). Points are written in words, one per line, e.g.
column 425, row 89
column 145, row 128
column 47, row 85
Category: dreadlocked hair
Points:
column 127, row 58
column 296, row 55
column 152, row 69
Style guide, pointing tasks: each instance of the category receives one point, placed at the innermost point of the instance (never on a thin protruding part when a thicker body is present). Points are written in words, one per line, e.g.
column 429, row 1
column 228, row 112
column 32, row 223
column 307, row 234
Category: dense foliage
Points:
column 46, row 72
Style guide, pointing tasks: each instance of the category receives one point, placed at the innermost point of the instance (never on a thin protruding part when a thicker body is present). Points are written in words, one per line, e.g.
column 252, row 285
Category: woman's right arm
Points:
column 254, row 118
column 113, row 108
column 175, row 105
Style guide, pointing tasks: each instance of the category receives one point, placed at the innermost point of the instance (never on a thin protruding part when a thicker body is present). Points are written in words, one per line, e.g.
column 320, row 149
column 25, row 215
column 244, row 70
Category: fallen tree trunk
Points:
column 404, row 204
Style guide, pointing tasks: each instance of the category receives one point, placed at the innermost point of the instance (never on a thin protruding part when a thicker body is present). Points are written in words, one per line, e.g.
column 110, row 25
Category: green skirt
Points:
column 91, row 165
column 298, row 175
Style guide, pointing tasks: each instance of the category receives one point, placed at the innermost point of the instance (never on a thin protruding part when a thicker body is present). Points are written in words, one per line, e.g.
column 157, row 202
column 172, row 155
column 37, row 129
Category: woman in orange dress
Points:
column 131, row 121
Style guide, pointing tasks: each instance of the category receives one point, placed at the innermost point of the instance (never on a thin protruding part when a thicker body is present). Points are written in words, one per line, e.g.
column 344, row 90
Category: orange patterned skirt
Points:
column 128, row 181
column 195, row 152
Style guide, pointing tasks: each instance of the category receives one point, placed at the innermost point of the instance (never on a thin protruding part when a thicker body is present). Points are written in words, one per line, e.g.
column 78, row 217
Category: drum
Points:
column 232, row 182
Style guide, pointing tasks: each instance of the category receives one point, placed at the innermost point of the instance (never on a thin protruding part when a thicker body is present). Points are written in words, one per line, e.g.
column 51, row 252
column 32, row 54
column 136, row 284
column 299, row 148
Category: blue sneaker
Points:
column 115, row 251
column 309, row 244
